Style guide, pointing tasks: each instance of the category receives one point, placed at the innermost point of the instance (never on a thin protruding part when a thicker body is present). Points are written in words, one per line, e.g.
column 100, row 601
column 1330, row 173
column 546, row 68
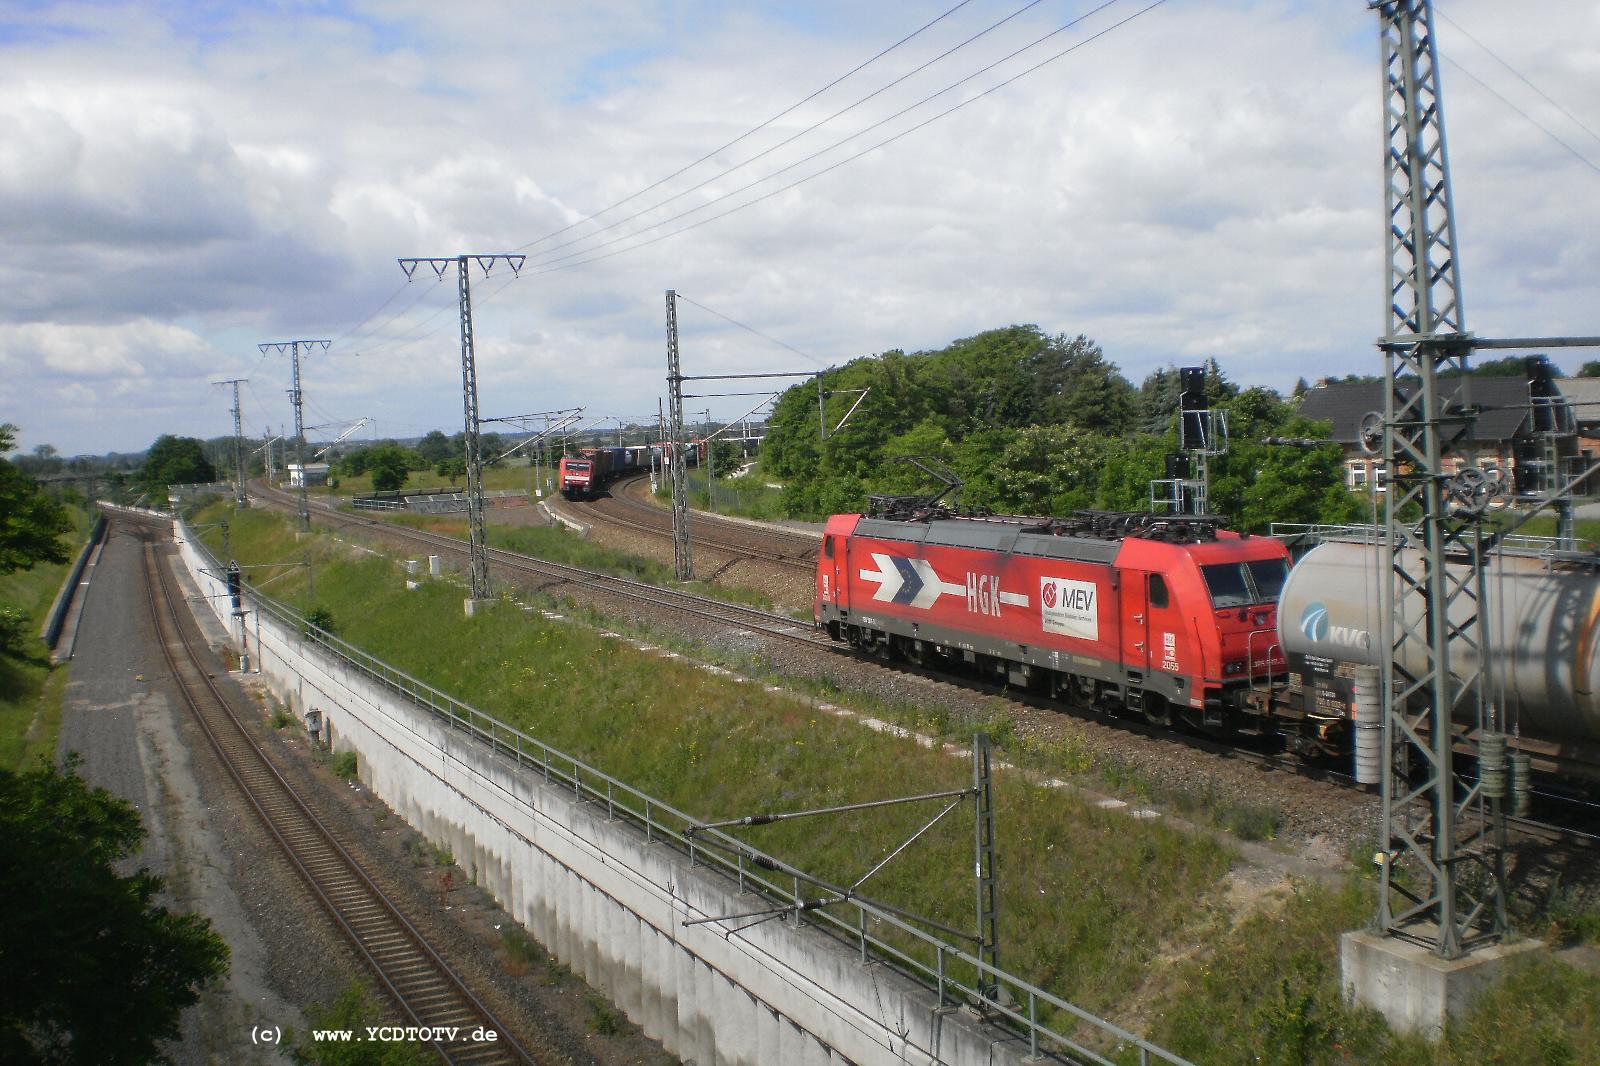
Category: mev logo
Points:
column 1315, row 625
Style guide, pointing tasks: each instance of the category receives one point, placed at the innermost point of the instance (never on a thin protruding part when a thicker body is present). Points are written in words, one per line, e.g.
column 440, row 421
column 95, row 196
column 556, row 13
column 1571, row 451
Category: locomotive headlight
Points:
column 1235, row 666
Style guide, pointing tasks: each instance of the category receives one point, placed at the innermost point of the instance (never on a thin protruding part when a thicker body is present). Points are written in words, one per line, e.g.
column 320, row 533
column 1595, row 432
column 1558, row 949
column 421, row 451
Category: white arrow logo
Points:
column 912, row 582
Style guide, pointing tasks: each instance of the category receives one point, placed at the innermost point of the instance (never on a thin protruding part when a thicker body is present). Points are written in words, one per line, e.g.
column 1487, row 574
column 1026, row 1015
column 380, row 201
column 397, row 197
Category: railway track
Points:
column 623, row 507
column 428, row 993
column 551, row 575
column 1264, row 752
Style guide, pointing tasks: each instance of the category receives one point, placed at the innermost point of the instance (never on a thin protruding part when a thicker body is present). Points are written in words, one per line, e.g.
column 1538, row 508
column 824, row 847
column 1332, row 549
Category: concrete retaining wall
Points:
column 608, row 904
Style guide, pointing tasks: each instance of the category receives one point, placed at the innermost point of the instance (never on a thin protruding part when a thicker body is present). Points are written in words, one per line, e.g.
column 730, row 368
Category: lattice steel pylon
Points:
column 296, row 398
column 1440, row 879
column 682, row 559
column 477, row 535
column 238, row 440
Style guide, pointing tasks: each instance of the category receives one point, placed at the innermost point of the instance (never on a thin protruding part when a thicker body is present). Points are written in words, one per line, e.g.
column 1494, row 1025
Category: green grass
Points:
column 31, row 690
column 1544, row 525
column 557, row 544
column 1088, row 897
column 1267, row 991
column 523, row 953
column 1125, row 918
column 356, row 1007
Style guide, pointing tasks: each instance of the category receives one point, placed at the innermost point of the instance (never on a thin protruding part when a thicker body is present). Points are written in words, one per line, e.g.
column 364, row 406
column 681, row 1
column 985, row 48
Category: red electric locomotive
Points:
column 1169, row 614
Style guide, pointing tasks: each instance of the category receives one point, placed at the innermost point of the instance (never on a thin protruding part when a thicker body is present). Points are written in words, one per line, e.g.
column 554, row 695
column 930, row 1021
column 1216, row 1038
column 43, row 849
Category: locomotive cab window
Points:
column 1243, row 584
column 827, row 547
column 1268, row 576
column 1158, row 590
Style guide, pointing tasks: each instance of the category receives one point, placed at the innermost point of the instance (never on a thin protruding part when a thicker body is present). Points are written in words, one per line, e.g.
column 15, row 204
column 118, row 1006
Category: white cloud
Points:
column 1204, row 181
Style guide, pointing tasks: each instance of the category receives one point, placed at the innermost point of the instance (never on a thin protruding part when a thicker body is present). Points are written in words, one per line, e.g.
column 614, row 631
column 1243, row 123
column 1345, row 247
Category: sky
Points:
column 180, row 182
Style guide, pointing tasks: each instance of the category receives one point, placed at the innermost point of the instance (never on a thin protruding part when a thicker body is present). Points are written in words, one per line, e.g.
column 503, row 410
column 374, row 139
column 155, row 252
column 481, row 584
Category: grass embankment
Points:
column 31, row 690
column 1127, row 918
column 557, row 544
column 1089, row 897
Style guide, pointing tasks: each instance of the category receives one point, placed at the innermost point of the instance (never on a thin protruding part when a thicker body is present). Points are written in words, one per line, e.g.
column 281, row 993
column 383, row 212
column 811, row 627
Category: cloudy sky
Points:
column 181, row 181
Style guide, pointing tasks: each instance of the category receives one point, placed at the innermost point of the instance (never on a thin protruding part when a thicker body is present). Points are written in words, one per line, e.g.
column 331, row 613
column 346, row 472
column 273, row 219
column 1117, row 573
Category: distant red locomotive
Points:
column 1165, row 613
column 586, row 473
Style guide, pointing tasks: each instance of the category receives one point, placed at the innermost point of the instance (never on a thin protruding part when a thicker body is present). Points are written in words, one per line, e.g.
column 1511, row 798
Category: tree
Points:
column 1159, row 395
column 175, row 461
column 1591, row 369
column 389, row 465
column 452, row 467
column 434, row 447
column 1079, row 386
column 725, row 458
column 31, row 523
column 92, row 970
column 1051, row 470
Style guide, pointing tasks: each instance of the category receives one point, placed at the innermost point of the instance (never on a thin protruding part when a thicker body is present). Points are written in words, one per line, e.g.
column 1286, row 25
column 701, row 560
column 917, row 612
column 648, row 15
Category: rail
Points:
column 660, row 822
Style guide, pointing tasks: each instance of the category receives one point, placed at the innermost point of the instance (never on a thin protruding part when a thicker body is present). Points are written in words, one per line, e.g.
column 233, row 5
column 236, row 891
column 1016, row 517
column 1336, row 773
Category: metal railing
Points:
column 958, row 977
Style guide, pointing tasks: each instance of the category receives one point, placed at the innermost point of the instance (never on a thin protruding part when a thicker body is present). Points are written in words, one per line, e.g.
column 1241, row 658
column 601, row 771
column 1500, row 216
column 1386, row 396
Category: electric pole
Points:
column 293, row 348
column 469, row 396
column 1439, row 881
column 238, row 441
column 682, row 560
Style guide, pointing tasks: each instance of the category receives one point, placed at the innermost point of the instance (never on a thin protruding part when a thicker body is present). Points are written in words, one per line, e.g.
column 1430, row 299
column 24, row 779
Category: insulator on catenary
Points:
column 1521, row 784
column 1368, row 715
column 1492, row 764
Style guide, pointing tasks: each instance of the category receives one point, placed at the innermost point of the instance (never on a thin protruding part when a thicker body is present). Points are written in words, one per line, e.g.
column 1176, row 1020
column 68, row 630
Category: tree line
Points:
column 1040, row 424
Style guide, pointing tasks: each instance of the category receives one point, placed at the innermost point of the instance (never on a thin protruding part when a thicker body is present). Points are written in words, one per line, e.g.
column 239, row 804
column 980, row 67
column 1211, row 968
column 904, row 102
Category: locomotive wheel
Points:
column 1157, row 711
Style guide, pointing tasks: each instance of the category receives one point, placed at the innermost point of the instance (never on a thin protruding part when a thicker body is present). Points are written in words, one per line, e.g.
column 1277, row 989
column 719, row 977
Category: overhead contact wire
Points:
column 796, row 136
column 1576, row 121
column 550, row 267
column 750, row 132
column 751, row 329
column 1548, row 132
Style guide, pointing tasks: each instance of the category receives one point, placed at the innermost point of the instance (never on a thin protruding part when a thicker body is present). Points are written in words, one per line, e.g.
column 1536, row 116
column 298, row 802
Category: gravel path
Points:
column 124, row 716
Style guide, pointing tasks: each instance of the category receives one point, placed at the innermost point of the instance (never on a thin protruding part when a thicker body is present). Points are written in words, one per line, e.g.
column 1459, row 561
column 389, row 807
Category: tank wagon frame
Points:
column 1540, row 621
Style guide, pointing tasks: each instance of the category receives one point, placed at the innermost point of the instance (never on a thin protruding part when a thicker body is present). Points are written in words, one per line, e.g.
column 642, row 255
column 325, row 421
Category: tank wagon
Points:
column 584, row 475
column 1167, row 614
column 1542, row 669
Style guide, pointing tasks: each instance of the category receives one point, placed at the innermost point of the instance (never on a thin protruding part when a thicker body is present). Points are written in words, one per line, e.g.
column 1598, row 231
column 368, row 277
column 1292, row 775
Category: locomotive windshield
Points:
column 1243, row 584
column 578, row 466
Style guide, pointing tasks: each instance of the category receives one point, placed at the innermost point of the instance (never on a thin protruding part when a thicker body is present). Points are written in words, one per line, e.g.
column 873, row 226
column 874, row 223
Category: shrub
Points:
column 344, row 764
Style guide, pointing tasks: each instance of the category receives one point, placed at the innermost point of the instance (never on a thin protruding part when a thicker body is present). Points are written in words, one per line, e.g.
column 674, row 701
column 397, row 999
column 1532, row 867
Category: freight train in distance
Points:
column 583, row 476
column 1179, row 619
